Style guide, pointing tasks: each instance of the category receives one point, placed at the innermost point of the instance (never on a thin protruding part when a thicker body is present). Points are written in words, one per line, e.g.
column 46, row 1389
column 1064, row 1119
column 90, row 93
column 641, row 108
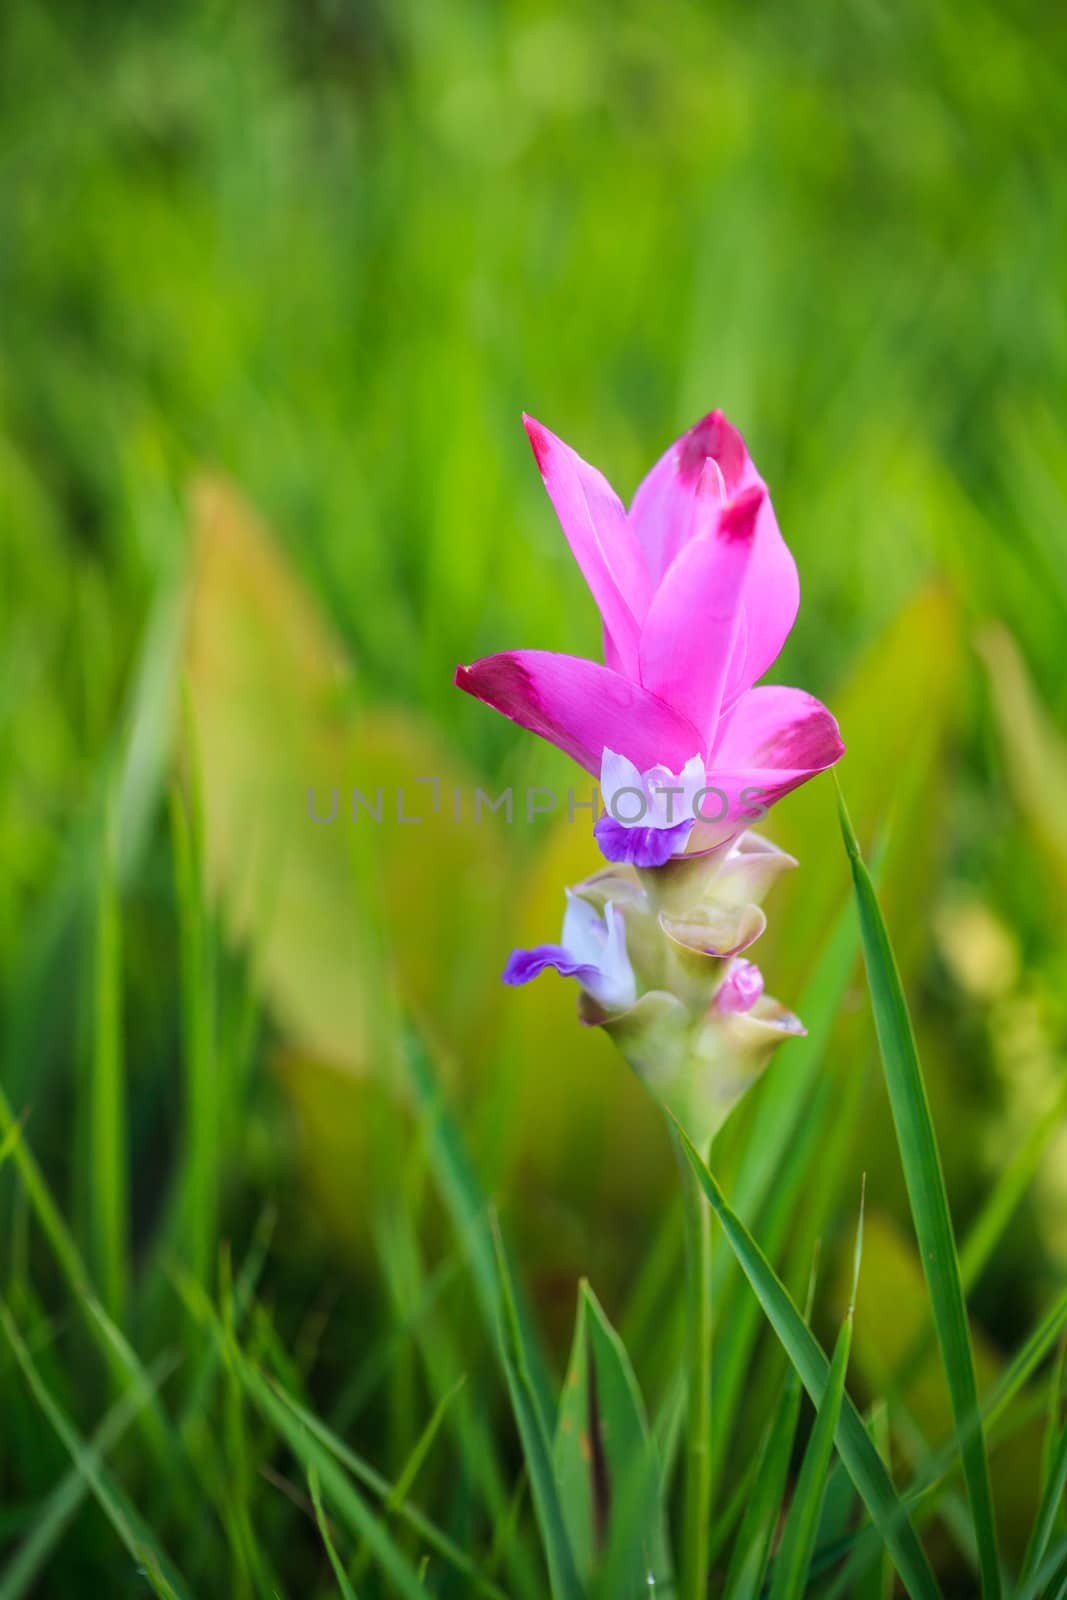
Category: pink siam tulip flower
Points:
column 698, row 592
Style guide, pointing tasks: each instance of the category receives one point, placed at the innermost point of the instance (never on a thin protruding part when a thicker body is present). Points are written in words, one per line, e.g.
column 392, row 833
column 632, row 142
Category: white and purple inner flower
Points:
column 650, row 814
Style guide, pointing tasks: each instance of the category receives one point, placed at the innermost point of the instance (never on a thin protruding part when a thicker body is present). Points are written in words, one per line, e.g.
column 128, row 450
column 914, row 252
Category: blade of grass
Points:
column 469, row 1211
column 272, row 1400
column 641, row 1323
column 314, row 1489
column 858, row 1453
column 748, row 1561
column 422, row 1447
column 696, row 1526
column 62, row 1503
column 358, row 1392
column 876, row 1583
column 751, row 1552
column 800, row 1111
column 1025, row 1361
column 1039, row 1586
column 505, row 1534
column 606, row 1464
column 439, row 1343
column 109, row 1216
column 987, row 1230
column 392, row 1228
column 928, row 1200
column 116, row 1349
column 198, row 1196
column 793, row 1563
column 362, row 1522
column 809, row 1167
column 730, row 1516
column 243, row 1291
column 782, row 1124
column 313, row 1445
column 164, row 1578
column 405, row 1478
column 249, row 1571
column 536, row 1442
column 989, row 1226
column 790, row 1099
column 786, row 1089
column 927, row 1482
column 1002, row 1393
column 11, row 1138
column 1045, row 1520
column 1052, row 1414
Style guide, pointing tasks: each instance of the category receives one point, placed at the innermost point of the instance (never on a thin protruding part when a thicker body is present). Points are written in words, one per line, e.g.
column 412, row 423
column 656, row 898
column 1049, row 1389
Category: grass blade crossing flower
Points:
column 928, row 1200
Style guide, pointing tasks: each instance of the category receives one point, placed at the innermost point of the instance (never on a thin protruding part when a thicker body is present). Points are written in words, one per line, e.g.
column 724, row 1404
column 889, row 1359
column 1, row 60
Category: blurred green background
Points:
column 326, row 253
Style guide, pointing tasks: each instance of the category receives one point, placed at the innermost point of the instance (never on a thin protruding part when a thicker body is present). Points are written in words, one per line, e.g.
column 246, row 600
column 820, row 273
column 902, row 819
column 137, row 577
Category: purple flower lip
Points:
column 641, row 847
column 522, row 965
column 593, row 950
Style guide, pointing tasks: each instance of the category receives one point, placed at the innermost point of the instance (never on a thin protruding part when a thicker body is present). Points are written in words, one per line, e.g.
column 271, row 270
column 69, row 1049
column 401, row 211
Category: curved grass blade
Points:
column 315, row 1491
column 1046, row 1516
column 928, row 1200
column 798, row 1542
column 696, row 1516
column 536, row 1445
column 1039, row 1587
column 785, row 1093
column 63, row 1502
column 606, row 1465
column 857, row 1452
column 762, row 1512
column 157, row 1567
column 748, row 1562
column 109, row 1192
column 197, row 1215
column 809, row 1168
column 272, row 1400
column 244, row 1289
column 423, row 1445
column 728, row 1519
column 1052, row 1410
column 11, row 1138
column 922, row 1492
column 798, row 1137
column 468, row 1209
column 801, row 1530
column 1025, row 1361
column 301, row 1429
column 988, row 1228
column 122, row 1359
column 996, row 1213
column 361, row 1521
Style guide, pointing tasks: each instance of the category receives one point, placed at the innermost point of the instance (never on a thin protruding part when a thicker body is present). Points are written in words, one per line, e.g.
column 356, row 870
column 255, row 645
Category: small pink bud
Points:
column 741, row 987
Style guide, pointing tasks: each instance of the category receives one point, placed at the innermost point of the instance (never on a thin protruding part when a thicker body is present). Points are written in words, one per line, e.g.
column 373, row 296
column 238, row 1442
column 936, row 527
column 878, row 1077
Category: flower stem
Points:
column 696, row 1527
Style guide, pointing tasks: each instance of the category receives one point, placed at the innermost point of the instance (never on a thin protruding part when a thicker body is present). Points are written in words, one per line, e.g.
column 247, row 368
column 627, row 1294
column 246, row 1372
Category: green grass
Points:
column 295, row 1201
column 929, row 1203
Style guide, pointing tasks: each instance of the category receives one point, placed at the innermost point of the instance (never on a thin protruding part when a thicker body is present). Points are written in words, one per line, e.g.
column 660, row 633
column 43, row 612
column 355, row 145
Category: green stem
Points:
column 697, row 1515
